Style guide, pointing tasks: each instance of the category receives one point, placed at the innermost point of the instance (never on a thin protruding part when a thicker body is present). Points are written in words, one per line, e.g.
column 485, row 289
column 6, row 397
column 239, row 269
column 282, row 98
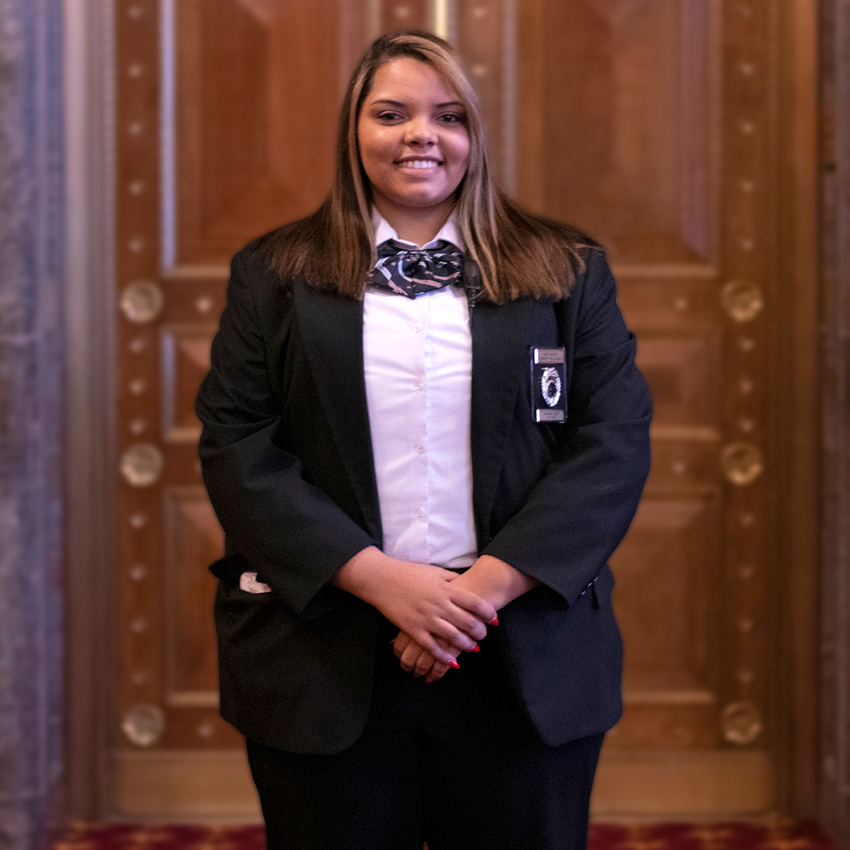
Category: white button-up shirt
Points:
column 417, row 355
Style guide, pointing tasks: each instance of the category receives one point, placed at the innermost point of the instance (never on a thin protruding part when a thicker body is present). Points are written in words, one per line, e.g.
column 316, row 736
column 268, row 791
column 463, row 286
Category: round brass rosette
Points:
column 741, row 723
column 742, row 300
column 741, row 463
column 143, row 725
column 141, row 302
column 141, row 465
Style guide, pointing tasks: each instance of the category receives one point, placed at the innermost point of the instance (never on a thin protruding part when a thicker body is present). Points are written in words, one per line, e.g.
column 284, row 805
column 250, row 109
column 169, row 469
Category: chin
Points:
column 423, row 200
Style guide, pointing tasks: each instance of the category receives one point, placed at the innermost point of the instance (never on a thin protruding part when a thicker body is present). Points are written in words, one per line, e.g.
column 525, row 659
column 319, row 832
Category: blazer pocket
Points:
column 230, row 568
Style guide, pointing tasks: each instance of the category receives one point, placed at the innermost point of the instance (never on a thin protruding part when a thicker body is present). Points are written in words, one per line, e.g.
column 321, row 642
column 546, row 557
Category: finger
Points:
column 439, row 668
column 424, row 664
column 464, row 622
column 469, row 624
column 410, row 656
column 400, row 643
column 455, row 639
column 428, row 641
column 417, row 661
column 475, row 605
column 460, row 645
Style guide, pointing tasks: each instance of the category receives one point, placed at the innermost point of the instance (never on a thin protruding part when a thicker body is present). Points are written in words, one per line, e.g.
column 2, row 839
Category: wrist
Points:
column 358, row 575
column 496, row 581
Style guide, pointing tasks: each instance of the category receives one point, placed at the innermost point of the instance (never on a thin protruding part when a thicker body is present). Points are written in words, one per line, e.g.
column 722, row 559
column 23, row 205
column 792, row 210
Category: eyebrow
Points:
column 399, row 103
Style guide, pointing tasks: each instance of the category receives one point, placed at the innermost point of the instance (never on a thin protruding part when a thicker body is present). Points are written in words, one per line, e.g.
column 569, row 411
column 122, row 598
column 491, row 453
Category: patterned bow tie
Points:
column 409, row 271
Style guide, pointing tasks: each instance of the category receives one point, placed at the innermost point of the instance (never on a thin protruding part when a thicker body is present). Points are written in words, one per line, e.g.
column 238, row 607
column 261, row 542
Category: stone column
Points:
column 835, row 584
column 31, row 418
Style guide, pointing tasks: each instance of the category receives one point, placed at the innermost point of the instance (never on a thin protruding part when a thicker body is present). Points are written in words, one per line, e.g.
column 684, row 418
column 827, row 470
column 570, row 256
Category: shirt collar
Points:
column 385, row 231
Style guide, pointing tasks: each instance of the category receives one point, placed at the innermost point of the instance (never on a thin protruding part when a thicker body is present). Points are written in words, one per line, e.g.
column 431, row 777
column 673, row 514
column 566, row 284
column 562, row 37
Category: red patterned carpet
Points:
column 779, row 835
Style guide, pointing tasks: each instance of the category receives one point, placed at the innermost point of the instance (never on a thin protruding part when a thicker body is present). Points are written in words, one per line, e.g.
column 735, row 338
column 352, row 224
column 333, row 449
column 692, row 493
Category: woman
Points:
column 387, row 454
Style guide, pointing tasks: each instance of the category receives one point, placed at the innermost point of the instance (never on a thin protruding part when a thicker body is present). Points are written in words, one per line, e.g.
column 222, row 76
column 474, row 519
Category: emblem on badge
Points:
column 548, row 384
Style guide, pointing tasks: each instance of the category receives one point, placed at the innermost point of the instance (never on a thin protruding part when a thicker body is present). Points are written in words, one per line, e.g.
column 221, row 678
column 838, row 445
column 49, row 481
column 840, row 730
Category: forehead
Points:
column 406, row 80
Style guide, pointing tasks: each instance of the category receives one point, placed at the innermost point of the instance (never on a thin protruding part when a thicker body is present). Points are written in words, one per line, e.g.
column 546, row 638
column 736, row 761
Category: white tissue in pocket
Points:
column 248, row 582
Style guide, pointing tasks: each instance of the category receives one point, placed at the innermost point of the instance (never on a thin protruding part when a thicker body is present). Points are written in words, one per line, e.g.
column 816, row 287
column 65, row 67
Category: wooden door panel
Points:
column 645, row 122
column 258, row 88
column 683, row 376
column 623, row 122
column 664, row 577
column 193, row 538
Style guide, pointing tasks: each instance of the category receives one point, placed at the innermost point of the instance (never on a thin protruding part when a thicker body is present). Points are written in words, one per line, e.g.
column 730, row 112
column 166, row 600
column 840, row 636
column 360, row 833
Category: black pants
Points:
column 454, row 763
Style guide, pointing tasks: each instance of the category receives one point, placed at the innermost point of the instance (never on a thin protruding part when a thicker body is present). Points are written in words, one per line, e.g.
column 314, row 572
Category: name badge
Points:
column 548, row 384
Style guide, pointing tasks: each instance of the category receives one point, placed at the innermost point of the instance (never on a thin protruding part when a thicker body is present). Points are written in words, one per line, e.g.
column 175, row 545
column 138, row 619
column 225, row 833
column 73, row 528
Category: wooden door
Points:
column 652, row 124
column 652, row 132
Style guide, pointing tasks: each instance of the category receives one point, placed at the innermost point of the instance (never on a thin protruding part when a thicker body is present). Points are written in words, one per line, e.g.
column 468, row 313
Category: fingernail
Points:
column 494, row 621
column 475, row 648
column 454, row 664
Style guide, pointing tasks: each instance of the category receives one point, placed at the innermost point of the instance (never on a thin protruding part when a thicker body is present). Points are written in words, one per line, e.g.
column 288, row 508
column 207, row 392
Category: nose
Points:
column 420, row 131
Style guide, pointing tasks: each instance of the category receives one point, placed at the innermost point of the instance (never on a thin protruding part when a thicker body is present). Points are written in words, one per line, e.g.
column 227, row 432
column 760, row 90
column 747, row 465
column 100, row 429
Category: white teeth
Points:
column 420, row 163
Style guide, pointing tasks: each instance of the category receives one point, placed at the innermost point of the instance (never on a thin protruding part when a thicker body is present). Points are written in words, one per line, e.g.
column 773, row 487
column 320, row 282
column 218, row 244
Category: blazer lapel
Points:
column 499, row 361
column 332, row 331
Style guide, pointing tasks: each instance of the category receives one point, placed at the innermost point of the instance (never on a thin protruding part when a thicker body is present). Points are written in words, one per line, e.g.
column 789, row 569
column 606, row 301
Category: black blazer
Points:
column 287, row 461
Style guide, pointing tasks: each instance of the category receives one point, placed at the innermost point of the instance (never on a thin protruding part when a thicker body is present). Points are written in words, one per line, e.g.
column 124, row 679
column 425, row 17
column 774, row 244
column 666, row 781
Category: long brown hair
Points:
column 517, row 253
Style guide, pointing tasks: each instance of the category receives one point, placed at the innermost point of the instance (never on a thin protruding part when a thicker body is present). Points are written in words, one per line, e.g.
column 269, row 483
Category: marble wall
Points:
column 834, row 794
column 31, row 418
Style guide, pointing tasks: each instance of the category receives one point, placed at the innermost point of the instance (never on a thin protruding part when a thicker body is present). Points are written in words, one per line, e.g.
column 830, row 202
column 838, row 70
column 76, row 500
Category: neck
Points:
column 415, row 225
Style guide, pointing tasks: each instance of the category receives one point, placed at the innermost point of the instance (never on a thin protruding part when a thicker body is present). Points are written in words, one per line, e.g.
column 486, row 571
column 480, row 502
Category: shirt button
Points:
column 420, row 512
column 417, row 327
column 420, row 449
column 420, row 385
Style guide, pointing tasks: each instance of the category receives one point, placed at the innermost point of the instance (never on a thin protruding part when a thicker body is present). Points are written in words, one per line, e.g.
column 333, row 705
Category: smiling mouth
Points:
column 419, row 163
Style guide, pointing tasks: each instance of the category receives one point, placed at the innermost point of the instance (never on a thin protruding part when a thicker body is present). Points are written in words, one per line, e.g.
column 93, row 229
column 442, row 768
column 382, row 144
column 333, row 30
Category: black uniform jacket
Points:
column 287, row 461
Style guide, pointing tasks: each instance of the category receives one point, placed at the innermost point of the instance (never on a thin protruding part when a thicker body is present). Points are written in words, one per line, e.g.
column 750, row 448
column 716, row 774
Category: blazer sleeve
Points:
column 284, row 528
column 580, row 509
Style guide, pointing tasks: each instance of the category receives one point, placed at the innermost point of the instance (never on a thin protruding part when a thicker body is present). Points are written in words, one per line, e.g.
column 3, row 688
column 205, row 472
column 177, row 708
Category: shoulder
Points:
column 584, row 247
column 256, row 266
column 592, row 257
column 584, row 255
column 542, row 226
column 255, row 287
column 593, row 283
column 260, row 253
column 288, row 233
column 306, row 249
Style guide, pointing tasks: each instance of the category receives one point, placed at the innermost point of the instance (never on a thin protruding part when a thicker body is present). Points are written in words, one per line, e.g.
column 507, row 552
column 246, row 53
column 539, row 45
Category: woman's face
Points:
column 413, row 138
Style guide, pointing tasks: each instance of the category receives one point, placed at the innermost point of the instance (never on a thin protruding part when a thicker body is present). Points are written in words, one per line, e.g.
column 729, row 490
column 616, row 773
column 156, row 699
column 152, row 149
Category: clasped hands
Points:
column 439, row 613
column 466, row 615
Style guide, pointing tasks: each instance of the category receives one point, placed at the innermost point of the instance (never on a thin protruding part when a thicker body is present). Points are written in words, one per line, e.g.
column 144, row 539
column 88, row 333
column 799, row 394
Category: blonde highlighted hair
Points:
column 517, row 253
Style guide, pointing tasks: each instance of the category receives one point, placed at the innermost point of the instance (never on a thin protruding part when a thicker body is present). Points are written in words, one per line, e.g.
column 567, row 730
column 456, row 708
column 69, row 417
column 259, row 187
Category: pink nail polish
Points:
column 475, row 648
column 494, row 621
column 454, row 664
